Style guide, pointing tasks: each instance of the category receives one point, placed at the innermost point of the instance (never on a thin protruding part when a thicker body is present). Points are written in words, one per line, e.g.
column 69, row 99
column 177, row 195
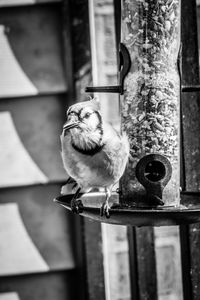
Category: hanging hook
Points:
column 124, row 67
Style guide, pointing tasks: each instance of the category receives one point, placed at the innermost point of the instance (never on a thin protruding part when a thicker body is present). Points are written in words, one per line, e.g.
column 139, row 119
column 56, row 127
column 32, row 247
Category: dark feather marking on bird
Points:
column 89, row 152
column 79, row 114
column 71, row 180
column 98, row 147
column 99, row 126
column 70, row 111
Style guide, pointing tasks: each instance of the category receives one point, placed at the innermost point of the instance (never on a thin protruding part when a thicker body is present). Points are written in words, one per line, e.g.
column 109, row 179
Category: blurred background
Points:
column 50, row 50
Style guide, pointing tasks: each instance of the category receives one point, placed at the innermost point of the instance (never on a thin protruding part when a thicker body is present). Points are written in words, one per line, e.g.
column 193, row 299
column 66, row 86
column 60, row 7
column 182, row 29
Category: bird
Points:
column 94, row 154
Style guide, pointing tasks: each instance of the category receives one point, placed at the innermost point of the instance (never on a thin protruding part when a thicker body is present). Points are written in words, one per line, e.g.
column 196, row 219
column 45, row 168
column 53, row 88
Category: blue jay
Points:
column 94, row 154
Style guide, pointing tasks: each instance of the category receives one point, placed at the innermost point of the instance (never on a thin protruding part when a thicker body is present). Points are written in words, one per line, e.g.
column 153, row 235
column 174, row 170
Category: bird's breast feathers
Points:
column 104, row 168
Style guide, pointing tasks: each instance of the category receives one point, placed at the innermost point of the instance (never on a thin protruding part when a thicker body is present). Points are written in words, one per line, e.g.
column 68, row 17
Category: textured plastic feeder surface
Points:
column 151, row 102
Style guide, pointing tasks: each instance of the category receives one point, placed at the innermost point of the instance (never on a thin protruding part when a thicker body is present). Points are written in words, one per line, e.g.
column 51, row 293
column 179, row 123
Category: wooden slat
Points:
column 11, row 3
column 16, row 164
column 48, row 225
column 59, row 285
column 39, row 122
column 19, row 255
column 190, row 236
column 9, row 296
column 34, row 37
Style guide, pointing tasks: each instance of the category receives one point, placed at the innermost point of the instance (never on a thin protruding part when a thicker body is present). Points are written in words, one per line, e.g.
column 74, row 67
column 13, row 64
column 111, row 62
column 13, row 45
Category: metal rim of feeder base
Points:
column 163, row 216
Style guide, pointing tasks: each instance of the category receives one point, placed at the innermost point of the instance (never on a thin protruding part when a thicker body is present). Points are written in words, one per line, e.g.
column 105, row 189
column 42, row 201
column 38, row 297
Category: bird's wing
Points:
column 116, row 139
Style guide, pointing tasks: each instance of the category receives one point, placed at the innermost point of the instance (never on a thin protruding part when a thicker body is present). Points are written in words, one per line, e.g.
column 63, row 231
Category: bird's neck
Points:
column 87, row 142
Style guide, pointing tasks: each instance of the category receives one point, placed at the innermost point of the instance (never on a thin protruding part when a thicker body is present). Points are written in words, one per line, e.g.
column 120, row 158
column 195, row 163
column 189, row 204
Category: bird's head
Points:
column 84, row 124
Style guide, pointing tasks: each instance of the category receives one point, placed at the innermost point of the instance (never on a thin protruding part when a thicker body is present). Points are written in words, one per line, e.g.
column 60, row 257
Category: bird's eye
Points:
column 71, row 113
column 87, row 115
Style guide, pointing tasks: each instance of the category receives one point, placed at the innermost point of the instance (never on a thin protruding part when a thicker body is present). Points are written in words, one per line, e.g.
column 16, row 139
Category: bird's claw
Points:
column 76, row 206
column 104, row 210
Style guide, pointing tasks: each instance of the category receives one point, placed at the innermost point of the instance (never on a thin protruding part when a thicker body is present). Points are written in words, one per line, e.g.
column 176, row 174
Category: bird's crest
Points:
column 93, row 103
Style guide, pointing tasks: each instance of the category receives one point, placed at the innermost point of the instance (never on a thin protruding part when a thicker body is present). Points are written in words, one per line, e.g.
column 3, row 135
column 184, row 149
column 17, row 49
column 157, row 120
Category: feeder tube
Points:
column 150, row 107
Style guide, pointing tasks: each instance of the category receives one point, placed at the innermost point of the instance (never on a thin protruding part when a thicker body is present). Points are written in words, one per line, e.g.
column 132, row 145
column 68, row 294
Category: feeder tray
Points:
column 187, row 213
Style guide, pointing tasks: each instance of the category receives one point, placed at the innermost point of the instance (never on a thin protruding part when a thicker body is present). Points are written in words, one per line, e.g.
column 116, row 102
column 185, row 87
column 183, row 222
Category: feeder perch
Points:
column 149, row 87
column 125, row 215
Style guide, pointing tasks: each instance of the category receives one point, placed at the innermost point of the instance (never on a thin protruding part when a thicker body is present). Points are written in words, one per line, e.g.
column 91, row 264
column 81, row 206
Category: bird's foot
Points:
column 104, row 210
column 76, row 206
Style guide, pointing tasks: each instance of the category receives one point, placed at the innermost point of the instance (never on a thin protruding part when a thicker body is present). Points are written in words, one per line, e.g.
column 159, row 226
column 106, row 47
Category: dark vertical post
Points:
column 69, row 13
column 68, row 49
column 142, row 263
column 190, row 235
column 146, row 263
column 185, row 262
column 77, row 54
column 89, row 256
column 117, row 14
column 133, row 263
column 94, row 260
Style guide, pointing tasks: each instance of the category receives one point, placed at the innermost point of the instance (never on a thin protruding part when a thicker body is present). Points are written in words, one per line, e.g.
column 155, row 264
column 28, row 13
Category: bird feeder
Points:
column 149, row 88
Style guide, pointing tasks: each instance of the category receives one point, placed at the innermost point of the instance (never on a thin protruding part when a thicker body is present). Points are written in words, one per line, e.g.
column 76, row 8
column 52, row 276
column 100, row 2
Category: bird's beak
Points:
column 70, row 124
